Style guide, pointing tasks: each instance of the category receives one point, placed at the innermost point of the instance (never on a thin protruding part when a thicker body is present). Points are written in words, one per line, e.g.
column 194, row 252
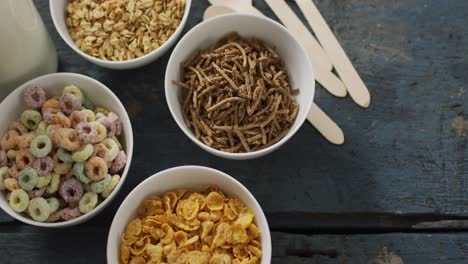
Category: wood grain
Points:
column 400, row 156
column 402, row 169
column 87, row 244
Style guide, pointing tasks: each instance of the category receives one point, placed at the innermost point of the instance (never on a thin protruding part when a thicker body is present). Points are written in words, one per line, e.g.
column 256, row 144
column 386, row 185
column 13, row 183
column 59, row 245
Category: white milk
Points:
column 26, row 50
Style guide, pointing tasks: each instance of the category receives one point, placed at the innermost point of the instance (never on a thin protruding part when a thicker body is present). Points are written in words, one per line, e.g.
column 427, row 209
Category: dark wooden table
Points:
column 399, row 184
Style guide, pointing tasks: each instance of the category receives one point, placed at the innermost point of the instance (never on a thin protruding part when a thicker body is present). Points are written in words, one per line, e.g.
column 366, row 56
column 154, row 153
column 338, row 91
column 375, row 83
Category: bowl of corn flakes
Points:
column 189, row 214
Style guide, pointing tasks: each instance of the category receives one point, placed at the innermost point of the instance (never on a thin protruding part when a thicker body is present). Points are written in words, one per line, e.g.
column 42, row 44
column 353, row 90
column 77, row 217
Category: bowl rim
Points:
column 129, row 152
column 141, row 59
column 266, row 238
column 186, row 130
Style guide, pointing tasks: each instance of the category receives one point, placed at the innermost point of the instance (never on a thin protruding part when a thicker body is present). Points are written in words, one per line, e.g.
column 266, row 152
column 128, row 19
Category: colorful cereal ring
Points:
column 101, row 151
column 51, row 103
column 19, row 200
column 39, row 209
column 71, row 190
column 43, row 181
column 24, row 159
column 44, row 165
column 53, row 204
column 109, row 125
column 119, row 162
column 41, row 146
column 89, row 115
column 102, row 131
column 41, row 128
column 69, row 214
column 87, row 132
column 88, row 202
column 117, row 121
column 78, row 170
column 24, row 141
column 77, row 117
column 118, row 142
column 96, row 168
column 8, row 140
column 73, row 90
column 28, row 179
column 51, row 130
column 113, row 183
column 98, row 187
column 83, row 153
column 67, row 138
column 69, row 103
column 54, row 183
column 34, row 97
column 64, row 155
column 31, row 119
column 11, row 184
column 36, row 193
column 113, row 148
column 61, row 167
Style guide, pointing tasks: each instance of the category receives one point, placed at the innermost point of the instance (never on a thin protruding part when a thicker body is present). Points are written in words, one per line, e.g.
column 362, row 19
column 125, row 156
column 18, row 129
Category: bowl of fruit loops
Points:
column 63, row 157
column 189, row 214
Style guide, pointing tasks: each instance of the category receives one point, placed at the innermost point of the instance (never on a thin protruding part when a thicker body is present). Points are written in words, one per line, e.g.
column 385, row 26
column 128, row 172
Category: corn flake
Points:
column 215, row 201
column 188, row 227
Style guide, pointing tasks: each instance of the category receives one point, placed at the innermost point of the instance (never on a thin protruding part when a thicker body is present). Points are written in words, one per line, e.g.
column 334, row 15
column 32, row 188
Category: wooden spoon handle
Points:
column 323, row 75
column 330, row 82
column 343, row 66
column 325, row 125
column 289, row 19
column 216, row 10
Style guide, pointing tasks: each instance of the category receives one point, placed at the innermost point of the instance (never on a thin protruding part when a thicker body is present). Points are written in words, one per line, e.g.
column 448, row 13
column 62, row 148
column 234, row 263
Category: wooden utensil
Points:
column 216, row 10
column 343, row 66
column 325, row 125
column 319, row 119
column 318, row 57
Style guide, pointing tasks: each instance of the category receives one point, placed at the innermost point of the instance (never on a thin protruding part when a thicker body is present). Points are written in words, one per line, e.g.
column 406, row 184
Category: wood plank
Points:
column 87, row 244
column 400, row 156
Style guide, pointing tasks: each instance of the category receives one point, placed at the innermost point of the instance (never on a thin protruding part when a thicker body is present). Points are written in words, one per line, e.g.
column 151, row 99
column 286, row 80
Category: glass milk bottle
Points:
column 26, row 50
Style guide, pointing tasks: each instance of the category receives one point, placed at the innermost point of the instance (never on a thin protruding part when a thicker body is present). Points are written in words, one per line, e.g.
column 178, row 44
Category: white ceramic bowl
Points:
column 53, row 84
column 57, row 11
column 207, row 33
column 190, row 177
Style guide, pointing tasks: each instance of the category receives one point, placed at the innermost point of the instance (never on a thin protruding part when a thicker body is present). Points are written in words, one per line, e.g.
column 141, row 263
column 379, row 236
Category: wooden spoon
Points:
column 319, row 119
column 317, row 56
column 343, row 66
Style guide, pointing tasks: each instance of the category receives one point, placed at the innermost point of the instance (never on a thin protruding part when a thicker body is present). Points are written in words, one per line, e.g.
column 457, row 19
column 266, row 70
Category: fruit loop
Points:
column 69, row 103
column 34, row 97
column 55, row 158
column 96, row 168
column 87, row 132
column 41, row 146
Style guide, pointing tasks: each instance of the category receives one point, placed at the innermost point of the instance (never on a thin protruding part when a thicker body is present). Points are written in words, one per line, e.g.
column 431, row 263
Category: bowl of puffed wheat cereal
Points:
column 239, row 85
column 66, row 144
column 120, row 34
column 189, row 214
